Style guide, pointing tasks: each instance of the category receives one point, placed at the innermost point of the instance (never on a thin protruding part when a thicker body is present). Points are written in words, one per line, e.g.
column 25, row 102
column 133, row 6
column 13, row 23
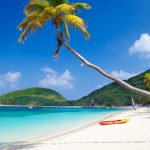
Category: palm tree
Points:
column 63, row 15
column 147, row 80
column 59, row 12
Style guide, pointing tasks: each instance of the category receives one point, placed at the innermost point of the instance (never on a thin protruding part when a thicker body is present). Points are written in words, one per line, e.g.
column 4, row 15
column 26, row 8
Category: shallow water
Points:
column 18, row 124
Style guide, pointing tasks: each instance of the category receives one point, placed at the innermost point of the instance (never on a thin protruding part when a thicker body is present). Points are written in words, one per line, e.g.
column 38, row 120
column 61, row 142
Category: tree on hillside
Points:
column 147, row 80
column 62, row 14
column 146, row 100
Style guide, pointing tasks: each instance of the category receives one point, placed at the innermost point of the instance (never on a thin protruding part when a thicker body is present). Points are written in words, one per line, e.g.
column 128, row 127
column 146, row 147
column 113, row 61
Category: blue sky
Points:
column 119, row 43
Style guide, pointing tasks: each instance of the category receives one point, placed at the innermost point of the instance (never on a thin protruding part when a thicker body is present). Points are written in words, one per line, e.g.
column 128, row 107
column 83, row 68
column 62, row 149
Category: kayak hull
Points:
column 121, row 121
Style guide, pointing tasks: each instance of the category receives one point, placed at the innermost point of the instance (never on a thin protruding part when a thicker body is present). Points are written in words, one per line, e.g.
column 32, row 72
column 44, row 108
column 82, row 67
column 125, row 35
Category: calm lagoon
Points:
column 18, row 124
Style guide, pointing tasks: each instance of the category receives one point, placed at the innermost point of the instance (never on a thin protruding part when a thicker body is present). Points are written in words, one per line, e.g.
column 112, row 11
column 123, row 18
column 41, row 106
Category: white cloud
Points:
column 141, row 46
column 12, row 76
column 66, row 76
column 10, row 79
column 48, row 70
column 123, row 74
column 53, row 79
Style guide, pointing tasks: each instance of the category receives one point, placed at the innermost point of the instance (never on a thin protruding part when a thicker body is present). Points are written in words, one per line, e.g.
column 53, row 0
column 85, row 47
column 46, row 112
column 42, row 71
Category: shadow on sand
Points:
column 18, row 145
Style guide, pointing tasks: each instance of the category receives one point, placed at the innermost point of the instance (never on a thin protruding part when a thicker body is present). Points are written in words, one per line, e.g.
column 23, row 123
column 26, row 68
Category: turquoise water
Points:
column 18, row 124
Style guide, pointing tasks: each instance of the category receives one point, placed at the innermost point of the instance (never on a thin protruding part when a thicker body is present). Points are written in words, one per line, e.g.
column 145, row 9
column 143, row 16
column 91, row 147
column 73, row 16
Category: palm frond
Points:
column 79, row 6
column 147, row 80
column 57, row 2
column 60, row 12
column 31, row 27
column 31, row 17
column 46, row 15
column 77, row 22
column 66, row 32
column 33, row 21
column 82, row 29
column 74, row 19
column 64, row 8
column 35, row 5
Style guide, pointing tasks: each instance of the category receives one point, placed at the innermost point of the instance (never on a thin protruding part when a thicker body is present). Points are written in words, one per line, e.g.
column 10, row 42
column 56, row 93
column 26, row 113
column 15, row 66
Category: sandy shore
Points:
column 134, row 135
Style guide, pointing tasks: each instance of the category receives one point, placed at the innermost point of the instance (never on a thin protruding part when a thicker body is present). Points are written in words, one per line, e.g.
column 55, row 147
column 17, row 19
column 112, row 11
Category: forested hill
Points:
column 33, row 96
column 114, row 94
column 110, row 95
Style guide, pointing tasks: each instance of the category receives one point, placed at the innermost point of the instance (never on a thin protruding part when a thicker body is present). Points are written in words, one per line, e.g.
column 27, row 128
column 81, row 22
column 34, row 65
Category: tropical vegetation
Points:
column 115, row 95
column 63, row 14
column 147, row 80
column 110, row 95
column 34, row 97
column 59, row 12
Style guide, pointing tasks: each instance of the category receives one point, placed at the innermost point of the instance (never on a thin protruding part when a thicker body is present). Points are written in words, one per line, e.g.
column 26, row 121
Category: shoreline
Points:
column 26, row 106
column 73, row 129
column 134, row 135
column 61, row 133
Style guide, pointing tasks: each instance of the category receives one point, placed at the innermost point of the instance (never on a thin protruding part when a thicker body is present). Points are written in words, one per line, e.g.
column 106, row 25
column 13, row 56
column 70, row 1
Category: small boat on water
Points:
column 30, row 107
column 120, row 121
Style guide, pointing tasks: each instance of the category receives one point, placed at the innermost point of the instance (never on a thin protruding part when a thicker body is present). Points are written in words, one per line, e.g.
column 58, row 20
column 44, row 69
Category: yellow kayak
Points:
column 120, row 121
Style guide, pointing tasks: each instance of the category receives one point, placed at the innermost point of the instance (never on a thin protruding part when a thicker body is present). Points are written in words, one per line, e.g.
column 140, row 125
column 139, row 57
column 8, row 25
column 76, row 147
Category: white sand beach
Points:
column 134, row 135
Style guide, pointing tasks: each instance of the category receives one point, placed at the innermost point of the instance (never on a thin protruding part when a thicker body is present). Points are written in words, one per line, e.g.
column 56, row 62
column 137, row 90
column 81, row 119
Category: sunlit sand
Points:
column 134, row 135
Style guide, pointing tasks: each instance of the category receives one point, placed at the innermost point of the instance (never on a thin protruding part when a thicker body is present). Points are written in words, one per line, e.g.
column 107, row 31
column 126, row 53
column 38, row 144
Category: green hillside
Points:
column 33, row 96
column 110, row 95
column 114, row 94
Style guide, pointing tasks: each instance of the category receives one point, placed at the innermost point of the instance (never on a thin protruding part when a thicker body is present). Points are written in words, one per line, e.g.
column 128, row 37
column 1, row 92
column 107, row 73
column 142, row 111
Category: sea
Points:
column 18, row 124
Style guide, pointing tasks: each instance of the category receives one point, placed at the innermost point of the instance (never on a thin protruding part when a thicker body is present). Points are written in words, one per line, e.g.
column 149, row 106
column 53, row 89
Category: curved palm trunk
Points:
column 94, row 67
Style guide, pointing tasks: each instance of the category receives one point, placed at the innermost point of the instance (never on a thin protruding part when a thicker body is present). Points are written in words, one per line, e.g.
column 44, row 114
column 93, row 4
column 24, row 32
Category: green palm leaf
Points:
column 64, row 8
column 59, row 12
column 57, row 2
column 147, row 80
column 31, row 17
column 46, row 15
column 77, row 22
column 31, row 27
column 79, row 6
column 66, row 32
column 35, row 6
